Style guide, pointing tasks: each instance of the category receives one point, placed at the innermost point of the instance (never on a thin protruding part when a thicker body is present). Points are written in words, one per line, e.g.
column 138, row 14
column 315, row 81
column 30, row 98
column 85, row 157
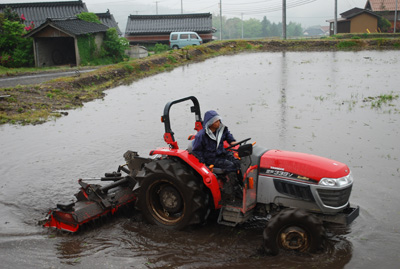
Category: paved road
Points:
column 37, row 78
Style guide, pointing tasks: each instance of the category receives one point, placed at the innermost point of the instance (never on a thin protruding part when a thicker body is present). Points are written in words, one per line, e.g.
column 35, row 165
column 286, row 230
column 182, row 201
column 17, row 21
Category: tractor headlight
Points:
column 336, row 182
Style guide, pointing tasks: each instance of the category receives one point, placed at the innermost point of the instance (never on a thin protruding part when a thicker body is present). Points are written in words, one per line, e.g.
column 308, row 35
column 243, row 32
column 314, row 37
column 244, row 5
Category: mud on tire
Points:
column 171, row 195
column 294, row 230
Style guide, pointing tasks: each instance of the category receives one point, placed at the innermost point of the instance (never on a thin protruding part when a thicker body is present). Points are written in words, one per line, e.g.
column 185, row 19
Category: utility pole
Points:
column 220, row 18
column 181, row 6
column 157, row 7
column 335, row 23
column 284, row 19
column 395, row 19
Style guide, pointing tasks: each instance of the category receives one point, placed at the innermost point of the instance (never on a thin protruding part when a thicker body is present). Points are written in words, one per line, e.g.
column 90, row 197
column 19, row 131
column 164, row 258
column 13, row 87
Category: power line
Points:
column 260, row 9
column 254, row 7
column 207, row 7
column 248, row 3
column 274, row 7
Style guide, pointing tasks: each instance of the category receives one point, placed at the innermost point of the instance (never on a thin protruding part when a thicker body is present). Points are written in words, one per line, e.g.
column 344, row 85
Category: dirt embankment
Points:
column 34, row 104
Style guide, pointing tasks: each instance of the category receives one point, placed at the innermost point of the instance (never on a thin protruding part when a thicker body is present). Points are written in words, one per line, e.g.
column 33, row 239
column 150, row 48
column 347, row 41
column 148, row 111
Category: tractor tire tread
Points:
column 293, row 217
column 193, row 186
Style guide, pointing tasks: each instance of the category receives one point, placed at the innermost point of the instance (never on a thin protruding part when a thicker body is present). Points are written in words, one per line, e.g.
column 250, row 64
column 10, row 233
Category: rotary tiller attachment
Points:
column 93, row 202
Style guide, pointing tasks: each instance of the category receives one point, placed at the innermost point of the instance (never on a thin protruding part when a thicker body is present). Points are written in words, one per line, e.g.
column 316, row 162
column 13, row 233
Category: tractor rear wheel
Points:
column 294, row 230
column 171, row 195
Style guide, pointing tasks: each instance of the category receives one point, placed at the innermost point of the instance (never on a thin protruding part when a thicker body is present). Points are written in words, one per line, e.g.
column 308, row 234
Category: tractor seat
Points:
column 219, row 171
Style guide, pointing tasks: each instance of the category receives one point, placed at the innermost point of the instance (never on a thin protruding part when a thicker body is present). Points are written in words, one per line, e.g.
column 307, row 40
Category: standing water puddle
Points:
column 322, row 103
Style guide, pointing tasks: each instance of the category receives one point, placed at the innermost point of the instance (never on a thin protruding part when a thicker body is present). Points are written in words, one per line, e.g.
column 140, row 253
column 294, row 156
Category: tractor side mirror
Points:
column 245, row 150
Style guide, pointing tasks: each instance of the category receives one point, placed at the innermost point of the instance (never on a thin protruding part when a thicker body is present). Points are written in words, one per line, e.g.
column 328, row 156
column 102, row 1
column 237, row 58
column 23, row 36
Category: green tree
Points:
column 216, row 23
column 233, row 29
column 159, row 48
column 114, row 46
column 16, row 51
column 87, row 49
column 252, row 28
column 294, row 29
column 89, row 17
column 384, row 24
column 276, row 30
column 11, row 15
column 265, row 27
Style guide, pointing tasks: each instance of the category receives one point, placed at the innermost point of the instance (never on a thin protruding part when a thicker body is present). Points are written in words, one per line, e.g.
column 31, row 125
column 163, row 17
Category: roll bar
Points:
column 169, row 134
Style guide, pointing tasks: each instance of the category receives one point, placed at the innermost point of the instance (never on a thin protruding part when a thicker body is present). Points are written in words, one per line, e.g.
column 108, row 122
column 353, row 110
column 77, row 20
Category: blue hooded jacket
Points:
column 208, row 146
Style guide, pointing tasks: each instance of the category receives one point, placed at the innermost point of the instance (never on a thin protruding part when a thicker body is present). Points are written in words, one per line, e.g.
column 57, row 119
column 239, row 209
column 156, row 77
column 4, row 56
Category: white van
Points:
column 178, row 40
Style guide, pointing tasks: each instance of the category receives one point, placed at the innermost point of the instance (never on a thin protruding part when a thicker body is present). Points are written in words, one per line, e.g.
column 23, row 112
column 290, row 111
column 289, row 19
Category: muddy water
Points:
column 308, row 102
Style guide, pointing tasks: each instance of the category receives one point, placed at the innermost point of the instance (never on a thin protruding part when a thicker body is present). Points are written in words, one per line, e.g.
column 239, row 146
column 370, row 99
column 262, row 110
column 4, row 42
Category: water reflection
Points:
column 282, row 101
column 70, row 251
column 292, row 101
column 143, row 245
column 333, row 70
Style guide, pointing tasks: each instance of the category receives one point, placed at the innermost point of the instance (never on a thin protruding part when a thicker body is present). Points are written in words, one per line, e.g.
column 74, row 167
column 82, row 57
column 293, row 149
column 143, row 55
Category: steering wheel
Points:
column 239, row 143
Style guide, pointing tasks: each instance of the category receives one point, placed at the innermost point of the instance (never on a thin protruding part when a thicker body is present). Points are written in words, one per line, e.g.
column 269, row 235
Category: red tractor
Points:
column 296, row 192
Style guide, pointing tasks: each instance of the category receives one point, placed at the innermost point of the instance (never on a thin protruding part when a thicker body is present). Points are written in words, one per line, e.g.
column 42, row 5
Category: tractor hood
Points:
column 301, row 166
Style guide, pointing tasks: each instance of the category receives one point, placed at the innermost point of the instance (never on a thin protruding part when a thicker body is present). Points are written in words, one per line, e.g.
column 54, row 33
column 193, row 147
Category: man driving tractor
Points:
column 208, row 147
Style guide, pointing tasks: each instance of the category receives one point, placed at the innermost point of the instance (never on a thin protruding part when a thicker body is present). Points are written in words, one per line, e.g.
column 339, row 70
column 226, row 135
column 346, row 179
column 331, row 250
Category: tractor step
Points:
column 231, row 216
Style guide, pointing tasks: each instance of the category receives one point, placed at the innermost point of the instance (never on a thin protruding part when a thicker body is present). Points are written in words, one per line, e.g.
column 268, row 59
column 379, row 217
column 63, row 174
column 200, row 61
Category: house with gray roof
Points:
column 55, row 42
column 38, row 12
column 141, row 29
column 315, row 30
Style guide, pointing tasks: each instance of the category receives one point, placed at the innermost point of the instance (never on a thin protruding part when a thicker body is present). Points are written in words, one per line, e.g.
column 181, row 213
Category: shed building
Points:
column 355, row 20
column 55, row 42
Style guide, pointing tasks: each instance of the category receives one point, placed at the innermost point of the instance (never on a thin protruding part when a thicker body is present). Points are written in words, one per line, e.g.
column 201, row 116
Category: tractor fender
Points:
column 209, row 179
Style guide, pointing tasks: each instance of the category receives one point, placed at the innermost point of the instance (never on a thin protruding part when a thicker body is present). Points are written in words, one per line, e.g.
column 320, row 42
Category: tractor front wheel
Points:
column 293, row 230
column 171, row 195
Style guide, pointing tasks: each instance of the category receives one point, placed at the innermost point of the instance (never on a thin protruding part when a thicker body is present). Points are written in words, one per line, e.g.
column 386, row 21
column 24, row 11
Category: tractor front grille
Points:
column 334, row 198
column 295, row 190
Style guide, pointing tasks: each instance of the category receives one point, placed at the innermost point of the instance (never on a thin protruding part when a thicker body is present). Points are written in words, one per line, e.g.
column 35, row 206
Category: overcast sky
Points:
column 306, row 12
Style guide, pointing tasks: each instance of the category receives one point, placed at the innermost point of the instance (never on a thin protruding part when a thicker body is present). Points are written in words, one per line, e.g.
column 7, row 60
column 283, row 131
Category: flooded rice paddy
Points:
column 323, row 103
